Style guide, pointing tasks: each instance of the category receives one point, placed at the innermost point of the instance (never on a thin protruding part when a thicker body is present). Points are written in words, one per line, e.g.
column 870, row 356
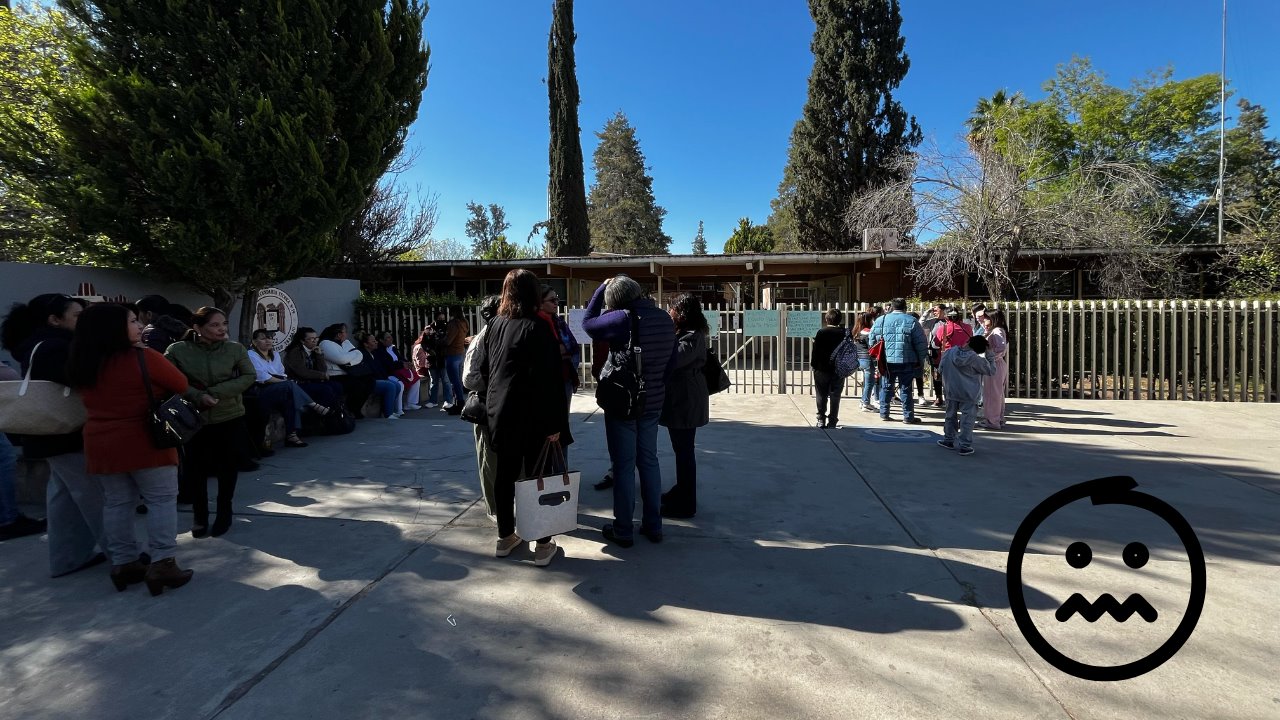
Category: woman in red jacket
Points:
column 106, row 364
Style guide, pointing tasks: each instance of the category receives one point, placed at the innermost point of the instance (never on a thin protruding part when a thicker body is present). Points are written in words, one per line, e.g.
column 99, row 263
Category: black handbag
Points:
column 713, row 372
column 173, row 422
column 474, row 411
column 620, row 391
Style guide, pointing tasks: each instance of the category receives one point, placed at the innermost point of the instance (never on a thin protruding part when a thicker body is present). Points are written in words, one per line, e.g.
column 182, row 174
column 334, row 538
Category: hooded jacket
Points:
column 164, row 331
column 962, row 370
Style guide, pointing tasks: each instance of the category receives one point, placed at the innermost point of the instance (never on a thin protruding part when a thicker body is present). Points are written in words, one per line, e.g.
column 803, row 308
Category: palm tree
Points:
column 987, row 112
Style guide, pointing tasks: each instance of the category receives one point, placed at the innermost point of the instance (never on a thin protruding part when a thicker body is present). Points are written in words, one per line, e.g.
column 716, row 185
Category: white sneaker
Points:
column 393, row 417
column 429, row 405
column 412, row 407
column 446, row 406
column 544, row 552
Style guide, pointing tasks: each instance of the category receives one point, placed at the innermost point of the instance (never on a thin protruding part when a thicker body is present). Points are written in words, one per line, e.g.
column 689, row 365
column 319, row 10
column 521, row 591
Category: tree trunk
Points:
column 248, row 308
column 224, row 300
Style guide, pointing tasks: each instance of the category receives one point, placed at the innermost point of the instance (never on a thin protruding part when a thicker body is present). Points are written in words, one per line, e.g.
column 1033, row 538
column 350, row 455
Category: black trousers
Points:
column 212, row 452
column 516, row 460
column 683, row 496
column 357, row 388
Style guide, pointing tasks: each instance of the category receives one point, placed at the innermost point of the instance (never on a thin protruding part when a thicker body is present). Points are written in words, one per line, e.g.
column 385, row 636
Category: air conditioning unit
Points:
column 881, row 239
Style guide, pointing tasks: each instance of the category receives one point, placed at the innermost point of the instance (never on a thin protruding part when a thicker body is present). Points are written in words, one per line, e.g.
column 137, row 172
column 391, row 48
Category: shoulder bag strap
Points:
column 146, row 377
column 31, row 364
column 636, row 350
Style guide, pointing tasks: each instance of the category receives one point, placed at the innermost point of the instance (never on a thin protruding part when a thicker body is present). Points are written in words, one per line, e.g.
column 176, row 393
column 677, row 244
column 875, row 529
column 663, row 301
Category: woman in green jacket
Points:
column 219, row 372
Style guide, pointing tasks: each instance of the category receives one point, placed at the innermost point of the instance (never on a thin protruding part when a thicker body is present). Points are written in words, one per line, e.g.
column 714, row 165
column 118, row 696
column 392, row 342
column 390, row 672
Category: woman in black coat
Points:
column 524, row 398
column 686, row 405
column 38, row 335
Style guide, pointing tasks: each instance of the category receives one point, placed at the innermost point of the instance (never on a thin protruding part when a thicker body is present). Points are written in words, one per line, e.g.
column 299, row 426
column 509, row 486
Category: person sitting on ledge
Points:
column 276, row 392
column 305, row 364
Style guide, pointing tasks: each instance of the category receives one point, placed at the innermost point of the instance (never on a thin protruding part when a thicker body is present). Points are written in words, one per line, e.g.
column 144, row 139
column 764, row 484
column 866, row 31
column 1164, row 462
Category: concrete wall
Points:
column 319, row 301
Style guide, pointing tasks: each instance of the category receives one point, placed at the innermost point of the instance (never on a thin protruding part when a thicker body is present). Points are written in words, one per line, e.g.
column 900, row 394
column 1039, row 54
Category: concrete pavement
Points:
column 828, row 573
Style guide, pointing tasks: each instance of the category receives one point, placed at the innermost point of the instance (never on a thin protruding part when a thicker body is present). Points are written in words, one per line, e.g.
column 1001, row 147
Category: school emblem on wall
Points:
column 277, row 314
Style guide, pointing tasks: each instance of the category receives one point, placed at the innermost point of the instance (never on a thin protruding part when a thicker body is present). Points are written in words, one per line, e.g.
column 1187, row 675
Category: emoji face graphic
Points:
column 1105, row 607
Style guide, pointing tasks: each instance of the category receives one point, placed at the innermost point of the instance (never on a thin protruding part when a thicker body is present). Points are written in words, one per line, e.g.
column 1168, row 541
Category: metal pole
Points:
column 1222, row 126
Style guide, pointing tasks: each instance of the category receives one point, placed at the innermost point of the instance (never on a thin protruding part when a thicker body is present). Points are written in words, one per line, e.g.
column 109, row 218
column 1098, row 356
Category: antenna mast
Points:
column 1222, row 126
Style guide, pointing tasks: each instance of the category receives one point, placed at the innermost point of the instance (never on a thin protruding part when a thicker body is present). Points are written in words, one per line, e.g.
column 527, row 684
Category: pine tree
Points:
column 624, row 216
column 748, row 238
column 567, row 228
column 222, row 144
column 699, row 242
column 851, row 123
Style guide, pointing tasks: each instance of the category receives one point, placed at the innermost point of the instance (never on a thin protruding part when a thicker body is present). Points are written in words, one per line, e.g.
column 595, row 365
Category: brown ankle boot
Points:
column 165, row 573
column 130, row 573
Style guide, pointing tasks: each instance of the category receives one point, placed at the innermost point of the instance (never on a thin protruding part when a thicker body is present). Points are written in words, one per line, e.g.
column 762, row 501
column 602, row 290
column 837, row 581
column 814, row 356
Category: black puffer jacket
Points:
column 50, row 364
column 162, row 333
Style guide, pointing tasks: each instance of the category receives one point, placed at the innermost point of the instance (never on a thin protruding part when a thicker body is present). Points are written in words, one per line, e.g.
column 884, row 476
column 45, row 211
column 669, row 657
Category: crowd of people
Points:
column 514, row 380
column 967, row 362
column 523, row 369
column 126, row 359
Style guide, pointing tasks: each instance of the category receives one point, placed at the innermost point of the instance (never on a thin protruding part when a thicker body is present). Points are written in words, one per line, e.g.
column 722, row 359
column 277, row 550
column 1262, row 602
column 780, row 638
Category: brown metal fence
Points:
column 1218, row 350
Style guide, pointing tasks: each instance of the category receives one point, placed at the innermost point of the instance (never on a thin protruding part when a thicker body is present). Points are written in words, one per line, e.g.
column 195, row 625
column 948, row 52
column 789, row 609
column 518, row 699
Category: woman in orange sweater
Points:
column 106, row 365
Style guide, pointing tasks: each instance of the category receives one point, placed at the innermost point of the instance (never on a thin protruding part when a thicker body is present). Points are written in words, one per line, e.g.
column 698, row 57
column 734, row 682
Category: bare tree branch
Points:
column 980, row 208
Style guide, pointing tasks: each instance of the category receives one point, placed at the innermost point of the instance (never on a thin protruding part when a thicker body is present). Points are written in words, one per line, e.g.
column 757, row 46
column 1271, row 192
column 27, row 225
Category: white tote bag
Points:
column 547, row 505
column 39, row 407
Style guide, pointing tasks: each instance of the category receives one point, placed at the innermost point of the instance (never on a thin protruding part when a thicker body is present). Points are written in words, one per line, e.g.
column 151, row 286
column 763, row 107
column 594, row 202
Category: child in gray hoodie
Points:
column 962, row 369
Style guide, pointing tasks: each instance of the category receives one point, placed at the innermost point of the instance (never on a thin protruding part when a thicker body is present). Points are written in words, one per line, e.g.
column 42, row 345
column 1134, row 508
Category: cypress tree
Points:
column 851, row 124
column 222, row 144
column 699, row 241
column 567, row 228
column 624, row 216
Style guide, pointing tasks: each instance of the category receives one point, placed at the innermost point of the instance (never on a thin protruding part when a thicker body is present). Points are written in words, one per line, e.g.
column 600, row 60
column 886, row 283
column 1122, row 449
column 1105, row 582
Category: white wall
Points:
column 320, row 301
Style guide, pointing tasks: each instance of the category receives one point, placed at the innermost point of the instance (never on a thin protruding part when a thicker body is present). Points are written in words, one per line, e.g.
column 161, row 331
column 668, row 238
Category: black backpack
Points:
column 620, row 390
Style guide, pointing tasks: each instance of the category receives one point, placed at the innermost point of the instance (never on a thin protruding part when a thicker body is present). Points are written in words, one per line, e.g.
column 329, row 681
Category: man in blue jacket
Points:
column 905, row 351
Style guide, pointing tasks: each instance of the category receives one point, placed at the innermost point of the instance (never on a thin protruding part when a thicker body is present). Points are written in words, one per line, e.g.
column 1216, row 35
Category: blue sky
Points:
column 714, row 88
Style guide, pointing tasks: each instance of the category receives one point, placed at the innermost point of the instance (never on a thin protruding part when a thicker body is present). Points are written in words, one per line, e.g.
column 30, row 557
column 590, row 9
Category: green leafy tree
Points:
column 699, row 241
column 485, row 227
column 988, row 113
column 503, row 249
column 624, row 216
column 568, row 231
column 35, row 69
column 1157, row 123
column 1252, row 204
column 851, row 124
column 222, row 144
column 748, row 238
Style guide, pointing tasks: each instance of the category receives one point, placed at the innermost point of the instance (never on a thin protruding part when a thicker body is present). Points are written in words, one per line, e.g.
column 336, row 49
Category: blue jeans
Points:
column 453, row 366
column 389, row 391
column 901, row 375
column 8, row 481
column 868, row 380
column 439, row 383
column 286, row 398
column 633, row 445
column 159, row 489
column 73, row 502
